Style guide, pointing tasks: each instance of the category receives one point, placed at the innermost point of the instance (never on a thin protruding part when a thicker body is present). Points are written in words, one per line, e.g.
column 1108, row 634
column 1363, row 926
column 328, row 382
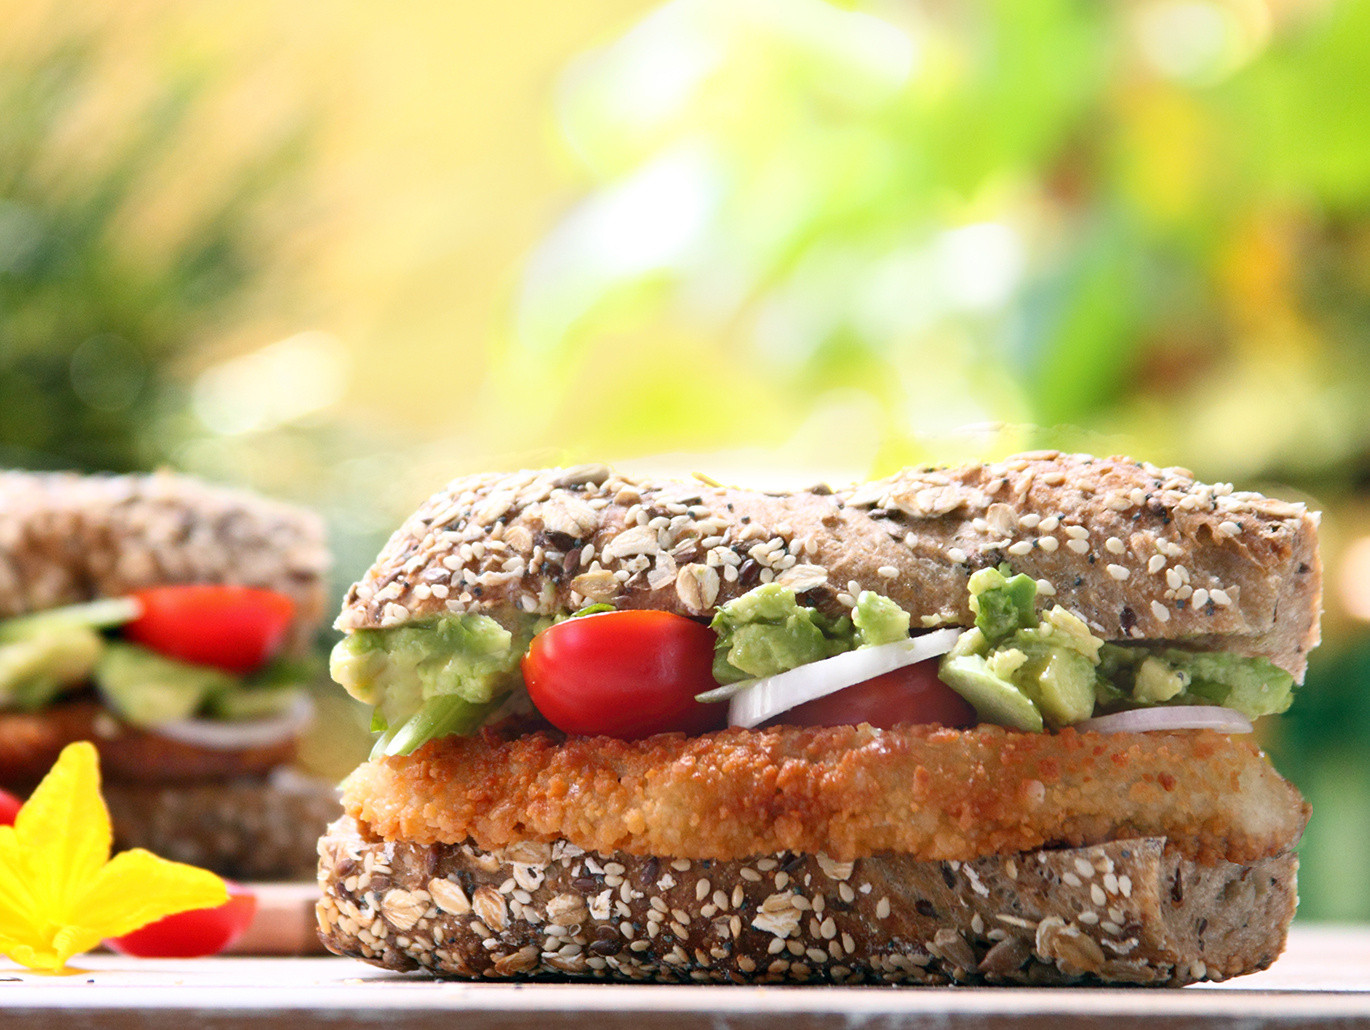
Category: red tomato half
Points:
column 237, row 629
column 624, row 674
column 9, row 807
column 193, row 934
column 912, row 694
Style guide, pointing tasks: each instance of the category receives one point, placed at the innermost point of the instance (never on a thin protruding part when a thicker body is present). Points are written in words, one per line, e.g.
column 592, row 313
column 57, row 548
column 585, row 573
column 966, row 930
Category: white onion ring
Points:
column 1174, row 717
column 759, row 700
column 227, row 735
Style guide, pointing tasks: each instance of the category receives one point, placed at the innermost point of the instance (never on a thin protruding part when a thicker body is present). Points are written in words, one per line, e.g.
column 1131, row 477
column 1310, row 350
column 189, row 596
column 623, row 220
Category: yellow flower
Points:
column 61, row 894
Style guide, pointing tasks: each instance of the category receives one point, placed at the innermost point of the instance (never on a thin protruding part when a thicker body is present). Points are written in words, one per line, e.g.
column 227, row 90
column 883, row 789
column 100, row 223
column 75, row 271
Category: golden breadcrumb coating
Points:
column 848, row 791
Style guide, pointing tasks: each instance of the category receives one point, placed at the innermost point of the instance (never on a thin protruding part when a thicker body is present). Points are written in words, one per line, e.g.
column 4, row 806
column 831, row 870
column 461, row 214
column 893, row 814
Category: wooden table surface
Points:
column 1323, row 979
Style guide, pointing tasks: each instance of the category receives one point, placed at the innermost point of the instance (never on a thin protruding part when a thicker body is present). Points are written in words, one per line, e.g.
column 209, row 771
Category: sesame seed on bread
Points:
column 1140, row 552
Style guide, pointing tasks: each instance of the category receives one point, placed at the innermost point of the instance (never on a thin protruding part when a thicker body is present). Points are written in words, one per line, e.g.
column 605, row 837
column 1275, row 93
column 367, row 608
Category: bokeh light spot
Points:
column 270, row 387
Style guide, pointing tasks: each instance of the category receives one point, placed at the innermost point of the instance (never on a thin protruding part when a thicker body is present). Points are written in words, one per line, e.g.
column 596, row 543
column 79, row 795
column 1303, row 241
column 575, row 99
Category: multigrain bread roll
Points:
column 186, row 785
column 1118, row 842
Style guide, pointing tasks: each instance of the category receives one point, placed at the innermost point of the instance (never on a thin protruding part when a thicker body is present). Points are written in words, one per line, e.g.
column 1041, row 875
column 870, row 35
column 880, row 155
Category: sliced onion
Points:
column 759, row 700
column 1176, row 717
column 225, row 735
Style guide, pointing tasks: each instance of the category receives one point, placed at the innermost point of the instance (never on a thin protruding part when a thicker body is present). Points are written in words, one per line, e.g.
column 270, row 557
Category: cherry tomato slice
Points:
column 912, row 694
column 237, row 629
column 9, row 807
column 193, row 934
column 624, row 674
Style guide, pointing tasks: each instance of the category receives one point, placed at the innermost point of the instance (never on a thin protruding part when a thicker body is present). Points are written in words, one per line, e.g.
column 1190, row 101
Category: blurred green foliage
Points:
column 1060, row 214
column 96, row 304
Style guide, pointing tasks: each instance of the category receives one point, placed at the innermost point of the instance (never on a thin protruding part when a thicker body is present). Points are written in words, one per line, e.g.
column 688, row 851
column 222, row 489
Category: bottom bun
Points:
column 1126, row 911
column 248, row 828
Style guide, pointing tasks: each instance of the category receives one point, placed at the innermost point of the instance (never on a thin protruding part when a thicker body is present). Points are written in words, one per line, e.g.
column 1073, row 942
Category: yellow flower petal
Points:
column 137, row 887
column 42, row 958
column 17, row 901
column 66, row 824
column 69, row 941
column 60, row 894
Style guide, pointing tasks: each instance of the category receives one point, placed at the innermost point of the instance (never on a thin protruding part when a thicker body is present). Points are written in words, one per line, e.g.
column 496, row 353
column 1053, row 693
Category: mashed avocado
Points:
column 1016, row 669
column 1028, row 672
column 433, row 678
column 1134, row 675
column 767, row 631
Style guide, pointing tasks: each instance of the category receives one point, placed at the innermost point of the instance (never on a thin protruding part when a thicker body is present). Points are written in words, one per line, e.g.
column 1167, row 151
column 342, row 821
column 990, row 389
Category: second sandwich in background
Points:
column 170, row 622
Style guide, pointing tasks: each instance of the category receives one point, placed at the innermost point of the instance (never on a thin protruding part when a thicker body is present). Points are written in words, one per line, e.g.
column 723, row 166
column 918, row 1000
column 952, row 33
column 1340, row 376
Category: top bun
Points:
column 67, row 538
column 1139, row 552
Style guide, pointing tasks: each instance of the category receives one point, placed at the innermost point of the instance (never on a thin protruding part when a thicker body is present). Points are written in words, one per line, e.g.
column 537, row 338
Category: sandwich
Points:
column 978, row 724
column 171, row 623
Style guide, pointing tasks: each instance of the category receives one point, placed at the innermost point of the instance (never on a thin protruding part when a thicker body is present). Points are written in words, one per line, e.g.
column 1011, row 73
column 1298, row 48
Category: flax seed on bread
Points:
column 1141, row 553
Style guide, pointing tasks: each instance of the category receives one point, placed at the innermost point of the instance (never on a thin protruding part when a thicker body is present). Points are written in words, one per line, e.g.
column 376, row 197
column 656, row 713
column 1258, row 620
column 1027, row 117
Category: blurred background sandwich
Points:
column 173, row 624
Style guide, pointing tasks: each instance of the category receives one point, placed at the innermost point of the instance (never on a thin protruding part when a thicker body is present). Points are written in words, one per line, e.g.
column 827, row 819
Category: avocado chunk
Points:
column 1139, row 675
column 149, row 690
column 1157, row 681
column 995, row 699
column 1064, row 687
column 1031, row 672
column 1002, row 604
column 400, row 670
column 767, row 631
column 46, row 662
column 878, row 620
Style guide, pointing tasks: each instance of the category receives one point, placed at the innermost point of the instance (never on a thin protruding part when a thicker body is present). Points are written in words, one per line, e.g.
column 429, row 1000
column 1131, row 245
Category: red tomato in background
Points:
column 237, row 629
column 193, row 934
column 912, row 694
column 624, row 674
column 9, row 807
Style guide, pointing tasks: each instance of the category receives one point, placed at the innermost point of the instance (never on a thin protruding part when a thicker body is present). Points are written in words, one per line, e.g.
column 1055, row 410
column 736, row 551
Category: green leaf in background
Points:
column 1079, row 325
column 97, row 299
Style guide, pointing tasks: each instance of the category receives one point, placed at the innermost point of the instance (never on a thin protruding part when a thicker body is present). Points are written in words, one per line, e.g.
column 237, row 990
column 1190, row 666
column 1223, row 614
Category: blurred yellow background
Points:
column 342, row 253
